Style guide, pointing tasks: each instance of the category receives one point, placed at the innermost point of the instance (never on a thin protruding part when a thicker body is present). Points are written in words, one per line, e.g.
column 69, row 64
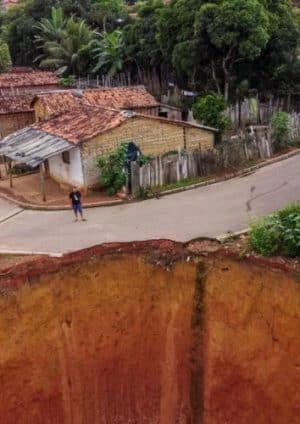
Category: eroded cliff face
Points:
column 119, row 339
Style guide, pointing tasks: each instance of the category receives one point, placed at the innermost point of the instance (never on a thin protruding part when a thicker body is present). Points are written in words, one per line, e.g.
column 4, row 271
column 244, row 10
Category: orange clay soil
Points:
column 149, row 333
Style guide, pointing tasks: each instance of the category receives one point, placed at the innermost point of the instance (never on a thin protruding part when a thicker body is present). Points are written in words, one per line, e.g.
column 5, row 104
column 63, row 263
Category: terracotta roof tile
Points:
column 27, row 79
column 118, row 98
column 15, row 104
column 82, row 124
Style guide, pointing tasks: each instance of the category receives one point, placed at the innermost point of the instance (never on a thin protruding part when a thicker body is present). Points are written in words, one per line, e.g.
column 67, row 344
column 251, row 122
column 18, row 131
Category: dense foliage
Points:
column 112, row 169
column 281, row 124
column 278, row 233
column 224, row 46
column 209, row 110
column 5, row 59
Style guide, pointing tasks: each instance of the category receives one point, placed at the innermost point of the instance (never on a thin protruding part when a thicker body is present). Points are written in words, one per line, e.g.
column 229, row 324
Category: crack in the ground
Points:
column 248, row 203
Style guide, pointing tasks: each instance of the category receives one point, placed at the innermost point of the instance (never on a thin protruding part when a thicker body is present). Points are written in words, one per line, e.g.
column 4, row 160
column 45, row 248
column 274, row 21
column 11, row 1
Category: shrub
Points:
column 112, row 166
column 265, row 236
column 69, row 81
column 5, row 58
column 290, row 222
column 281, row 124
column 278, row 233
column 209, row 110
column 144, row 159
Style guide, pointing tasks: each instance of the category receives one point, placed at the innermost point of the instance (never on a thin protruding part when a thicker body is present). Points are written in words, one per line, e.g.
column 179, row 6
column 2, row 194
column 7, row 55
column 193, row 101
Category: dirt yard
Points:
column 27, row 189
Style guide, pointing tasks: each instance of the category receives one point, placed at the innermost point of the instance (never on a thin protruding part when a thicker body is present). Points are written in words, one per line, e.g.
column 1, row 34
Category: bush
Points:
column 265, row 236
column 5, row 59
column 290, row 222
column 144, row 159
column 69, row 81
column 281, row 124
column 209, row 110
column 113, row 173
column 278, row 233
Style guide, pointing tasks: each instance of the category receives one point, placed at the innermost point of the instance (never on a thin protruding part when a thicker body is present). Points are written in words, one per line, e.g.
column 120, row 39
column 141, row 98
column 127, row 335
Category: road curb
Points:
column 31, row 253
column 225, row 237
column 244, row 172
column 221, row 239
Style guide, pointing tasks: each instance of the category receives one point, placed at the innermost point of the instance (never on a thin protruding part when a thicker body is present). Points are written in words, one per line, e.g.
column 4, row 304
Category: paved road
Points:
column 208, row 211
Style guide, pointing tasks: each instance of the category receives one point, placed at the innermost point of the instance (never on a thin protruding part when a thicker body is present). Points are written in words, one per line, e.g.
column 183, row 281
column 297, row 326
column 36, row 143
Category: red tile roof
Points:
column 86, row 122
column 15, row 104
column 118, row 98
column 27, row 79
column 82, row 124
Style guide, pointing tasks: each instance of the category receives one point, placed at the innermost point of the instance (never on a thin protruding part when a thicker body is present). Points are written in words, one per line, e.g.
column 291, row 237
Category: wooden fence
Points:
column 174, row 167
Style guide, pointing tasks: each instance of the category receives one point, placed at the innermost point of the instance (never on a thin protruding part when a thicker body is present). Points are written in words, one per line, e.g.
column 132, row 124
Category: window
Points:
column 66, row 157
column 163, row 114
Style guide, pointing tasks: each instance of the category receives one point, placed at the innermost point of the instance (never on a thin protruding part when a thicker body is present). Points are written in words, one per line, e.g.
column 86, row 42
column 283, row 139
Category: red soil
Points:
column 152, row 332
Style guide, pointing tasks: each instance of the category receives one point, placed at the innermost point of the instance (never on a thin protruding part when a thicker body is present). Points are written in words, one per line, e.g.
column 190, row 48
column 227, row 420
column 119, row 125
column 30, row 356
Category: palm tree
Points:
column 110, row 53
column 51, row 29
column 66, row 44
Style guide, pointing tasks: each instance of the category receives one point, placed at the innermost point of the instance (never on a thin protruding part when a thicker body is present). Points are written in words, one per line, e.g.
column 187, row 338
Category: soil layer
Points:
column 149, row 333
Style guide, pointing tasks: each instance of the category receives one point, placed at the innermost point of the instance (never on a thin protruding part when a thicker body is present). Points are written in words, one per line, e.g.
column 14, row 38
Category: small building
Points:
column 70, row 143
column 21, row 81
column 15, row 113
column 135, row 98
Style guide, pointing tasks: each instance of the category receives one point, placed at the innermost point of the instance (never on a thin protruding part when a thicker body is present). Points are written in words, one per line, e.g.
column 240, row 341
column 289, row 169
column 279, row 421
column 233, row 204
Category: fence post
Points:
column 135, row 177
column 161, row 171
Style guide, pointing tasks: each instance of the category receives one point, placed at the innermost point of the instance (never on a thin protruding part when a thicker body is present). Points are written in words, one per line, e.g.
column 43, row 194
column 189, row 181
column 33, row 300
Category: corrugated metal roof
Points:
column 32, row 146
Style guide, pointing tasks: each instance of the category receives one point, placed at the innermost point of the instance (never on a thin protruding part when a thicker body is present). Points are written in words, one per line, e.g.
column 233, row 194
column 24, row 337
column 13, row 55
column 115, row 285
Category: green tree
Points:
column 18, row 28
column 210, row 110
column 109, row 53
column 51, row 29
column 141, row 41
column 108, row 13
column 65, row 44
column 5, row 59
column 239, row 31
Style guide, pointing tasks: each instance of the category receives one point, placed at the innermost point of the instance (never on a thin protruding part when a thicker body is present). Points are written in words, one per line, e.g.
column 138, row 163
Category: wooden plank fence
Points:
column 174, row 167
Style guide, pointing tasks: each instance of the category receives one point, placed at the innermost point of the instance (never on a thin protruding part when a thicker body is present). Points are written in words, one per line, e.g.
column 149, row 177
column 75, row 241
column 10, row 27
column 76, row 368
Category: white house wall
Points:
column 65, row 173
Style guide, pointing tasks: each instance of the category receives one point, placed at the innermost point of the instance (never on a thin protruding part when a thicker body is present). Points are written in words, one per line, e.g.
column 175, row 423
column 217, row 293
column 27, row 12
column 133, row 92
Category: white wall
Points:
column 67, row 173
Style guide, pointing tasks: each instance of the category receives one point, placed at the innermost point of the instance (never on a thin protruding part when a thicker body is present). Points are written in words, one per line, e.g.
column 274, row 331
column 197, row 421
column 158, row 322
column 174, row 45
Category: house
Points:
column 70, row 143
column 15, row 113
column 27, row 81
column 135, row 98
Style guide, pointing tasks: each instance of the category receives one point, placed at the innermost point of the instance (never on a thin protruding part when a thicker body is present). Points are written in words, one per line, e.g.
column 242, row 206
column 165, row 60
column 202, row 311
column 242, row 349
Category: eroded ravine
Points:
column 150, row 337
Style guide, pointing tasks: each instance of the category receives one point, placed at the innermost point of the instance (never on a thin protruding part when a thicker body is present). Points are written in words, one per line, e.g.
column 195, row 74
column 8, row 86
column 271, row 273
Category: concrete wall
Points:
column 64, row 173
column 153, row 138
column 12, row 122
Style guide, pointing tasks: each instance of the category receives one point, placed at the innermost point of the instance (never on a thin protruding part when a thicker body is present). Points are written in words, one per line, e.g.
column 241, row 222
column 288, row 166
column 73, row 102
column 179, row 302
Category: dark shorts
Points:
column 77, row 208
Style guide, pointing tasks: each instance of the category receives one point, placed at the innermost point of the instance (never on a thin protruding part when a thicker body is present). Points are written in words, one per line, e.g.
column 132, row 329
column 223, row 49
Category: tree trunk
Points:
column 214, row 76
column 226, row 89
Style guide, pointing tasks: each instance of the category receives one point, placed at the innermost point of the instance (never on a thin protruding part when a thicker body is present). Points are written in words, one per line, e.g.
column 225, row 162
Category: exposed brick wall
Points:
column 199, row 139
column 12, row 122
column 153, row 138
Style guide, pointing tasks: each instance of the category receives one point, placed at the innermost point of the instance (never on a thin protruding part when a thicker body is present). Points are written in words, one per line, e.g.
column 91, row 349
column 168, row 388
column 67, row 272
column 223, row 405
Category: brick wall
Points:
column 12, row 122
column 153, row 138
column 199, row 139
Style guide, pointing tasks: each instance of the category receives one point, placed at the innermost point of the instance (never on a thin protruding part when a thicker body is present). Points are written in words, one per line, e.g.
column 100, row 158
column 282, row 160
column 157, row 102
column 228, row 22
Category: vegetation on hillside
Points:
column 223, row 47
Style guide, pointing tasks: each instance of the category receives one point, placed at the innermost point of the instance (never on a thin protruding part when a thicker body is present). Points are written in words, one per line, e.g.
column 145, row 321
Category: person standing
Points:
column 75, row 197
